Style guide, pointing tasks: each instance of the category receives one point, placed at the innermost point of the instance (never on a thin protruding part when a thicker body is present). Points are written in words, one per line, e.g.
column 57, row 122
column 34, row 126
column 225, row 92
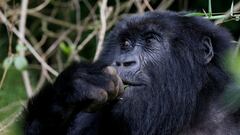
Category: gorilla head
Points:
column 171, row 64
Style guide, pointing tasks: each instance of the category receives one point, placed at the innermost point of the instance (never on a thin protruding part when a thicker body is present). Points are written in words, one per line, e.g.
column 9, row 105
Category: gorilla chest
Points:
column 117, row 120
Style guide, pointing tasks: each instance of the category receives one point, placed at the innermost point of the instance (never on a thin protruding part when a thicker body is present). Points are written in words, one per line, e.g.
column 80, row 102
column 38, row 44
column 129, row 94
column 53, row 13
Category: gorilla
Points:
column 159, row 73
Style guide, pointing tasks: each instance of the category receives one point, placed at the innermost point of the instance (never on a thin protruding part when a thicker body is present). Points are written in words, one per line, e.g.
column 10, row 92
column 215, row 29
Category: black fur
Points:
column 177, row 65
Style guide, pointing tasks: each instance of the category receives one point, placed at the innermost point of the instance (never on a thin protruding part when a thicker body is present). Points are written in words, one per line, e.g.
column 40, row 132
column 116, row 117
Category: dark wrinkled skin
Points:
column 170, row 67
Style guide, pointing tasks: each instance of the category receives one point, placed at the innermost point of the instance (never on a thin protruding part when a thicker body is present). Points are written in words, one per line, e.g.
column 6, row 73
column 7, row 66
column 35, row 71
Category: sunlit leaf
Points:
column 237, row 18
column 20, row 48
column 233, row 65
column 7, row 62
column 65, row 48
column 20, row 62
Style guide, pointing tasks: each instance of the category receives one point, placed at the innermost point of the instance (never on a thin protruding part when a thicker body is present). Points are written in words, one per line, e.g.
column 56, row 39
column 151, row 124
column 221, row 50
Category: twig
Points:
column 55, row 21
column 40, row 43
column 47, row 32
column 27, row 83
column 46, row 74
column 139, row 6
column 28, row 45
column 117, row 9
column 60, row 64
column 22, row 23
column 123, row 7
column 40, row 7
column 10, row 106
column 92, row 10
column 148, row 5
column 31, row 37
column 103, row 17
column 9, row 121
column 228, row 13
column 127, row 5
column 10, row 54
column 165, row 4
column 89, row 37
column 41, row 81
column 82, row 45
column 56, row 43
column 78, row 21
column 3, row 77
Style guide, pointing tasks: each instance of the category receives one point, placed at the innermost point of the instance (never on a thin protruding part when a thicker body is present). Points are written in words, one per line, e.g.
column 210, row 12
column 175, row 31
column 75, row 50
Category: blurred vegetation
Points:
column 39, row 38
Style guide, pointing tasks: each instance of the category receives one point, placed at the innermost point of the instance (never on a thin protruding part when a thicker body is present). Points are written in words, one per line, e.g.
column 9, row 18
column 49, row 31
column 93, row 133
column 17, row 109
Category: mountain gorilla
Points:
column 160, row 73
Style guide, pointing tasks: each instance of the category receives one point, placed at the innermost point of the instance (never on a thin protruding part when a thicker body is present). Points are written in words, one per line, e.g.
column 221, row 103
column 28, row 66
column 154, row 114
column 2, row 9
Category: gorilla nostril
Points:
column 129, row 63
column 118, row 64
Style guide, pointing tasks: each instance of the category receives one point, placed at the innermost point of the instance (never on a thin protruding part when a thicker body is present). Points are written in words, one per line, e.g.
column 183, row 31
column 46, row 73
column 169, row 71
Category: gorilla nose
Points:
column 131, row 64
column 125, row 63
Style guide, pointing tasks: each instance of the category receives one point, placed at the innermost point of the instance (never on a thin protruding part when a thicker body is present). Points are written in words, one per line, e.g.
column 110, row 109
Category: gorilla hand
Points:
column 88, row 87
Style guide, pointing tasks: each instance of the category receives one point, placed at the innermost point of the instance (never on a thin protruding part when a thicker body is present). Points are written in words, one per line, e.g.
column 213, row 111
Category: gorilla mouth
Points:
column 128, row 83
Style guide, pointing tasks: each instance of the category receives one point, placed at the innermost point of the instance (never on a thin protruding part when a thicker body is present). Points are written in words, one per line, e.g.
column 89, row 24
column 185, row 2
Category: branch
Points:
column 54, row 21
column 165, row 4
column 57, row 42
column 138, row 4
column 148, row 5
column 103, row 17
column 78, row 21
column 82, row 45
column 28, row 45
column 22, row 23
column 228, row 13
column 40, row 7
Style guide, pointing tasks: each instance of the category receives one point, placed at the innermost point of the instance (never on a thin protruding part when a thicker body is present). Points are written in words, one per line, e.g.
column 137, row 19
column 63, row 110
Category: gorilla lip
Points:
column 129, row 83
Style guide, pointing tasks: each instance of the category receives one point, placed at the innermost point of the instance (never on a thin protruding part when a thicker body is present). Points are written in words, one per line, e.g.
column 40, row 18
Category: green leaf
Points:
column 195, row 14
column 13, row 98
column 233, row 65
column 7, row 62
column 216, row 17
column 20, row 48
column 20, row 62
column 65, row 48
column 237, row 18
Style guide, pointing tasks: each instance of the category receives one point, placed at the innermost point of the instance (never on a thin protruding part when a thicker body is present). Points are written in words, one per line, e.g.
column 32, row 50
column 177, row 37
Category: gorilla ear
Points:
column 207, row 50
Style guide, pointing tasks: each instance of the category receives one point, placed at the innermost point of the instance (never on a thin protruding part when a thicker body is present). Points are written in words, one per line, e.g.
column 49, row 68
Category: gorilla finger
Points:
column 97, row 95
column 97, row 98
column 111, row 90
column 113, row 74
column 120, row 86
column 110, row 70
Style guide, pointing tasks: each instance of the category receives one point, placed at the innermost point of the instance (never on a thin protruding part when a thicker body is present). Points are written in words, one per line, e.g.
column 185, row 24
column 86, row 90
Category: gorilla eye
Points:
column 150, row 37
column 126, row 44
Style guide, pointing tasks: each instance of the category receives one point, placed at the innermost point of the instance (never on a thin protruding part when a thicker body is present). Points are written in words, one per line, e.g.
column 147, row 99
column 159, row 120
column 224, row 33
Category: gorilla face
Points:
column 139, row 49
column 152, row 60
column 166, row 61
column 144, row 50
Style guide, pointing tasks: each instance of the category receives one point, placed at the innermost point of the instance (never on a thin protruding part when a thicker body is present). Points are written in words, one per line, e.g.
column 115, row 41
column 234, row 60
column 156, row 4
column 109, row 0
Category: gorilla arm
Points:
column 80, row 88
